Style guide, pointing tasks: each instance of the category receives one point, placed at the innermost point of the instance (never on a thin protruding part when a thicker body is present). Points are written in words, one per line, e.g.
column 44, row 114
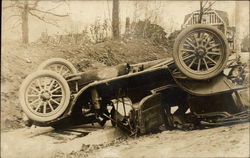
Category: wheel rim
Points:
column 201, row 52
column 60, row 68
column 44, row 96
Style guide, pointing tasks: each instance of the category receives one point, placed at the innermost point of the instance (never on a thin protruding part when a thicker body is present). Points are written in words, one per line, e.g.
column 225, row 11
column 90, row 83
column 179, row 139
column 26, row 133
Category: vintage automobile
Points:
column 138, row 98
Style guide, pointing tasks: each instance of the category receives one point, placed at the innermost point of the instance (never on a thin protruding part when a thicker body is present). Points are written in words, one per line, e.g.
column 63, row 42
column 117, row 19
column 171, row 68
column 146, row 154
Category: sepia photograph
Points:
column 125, row 78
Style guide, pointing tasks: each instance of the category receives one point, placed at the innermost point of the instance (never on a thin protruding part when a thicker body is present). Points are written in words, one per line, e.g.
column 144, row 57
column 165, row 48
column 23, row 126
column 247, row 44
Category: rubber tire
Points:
column 24, row 86
column 60, row 61
column 183, row 34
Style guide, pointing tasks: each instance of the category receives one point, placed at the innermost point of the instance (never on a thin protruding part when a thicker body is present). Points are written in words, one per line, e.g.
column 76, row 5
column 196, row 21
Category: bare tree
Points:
column 99, row 30
column 152, row 14
column 204, row 7
column 115, row 19
column 24, row 8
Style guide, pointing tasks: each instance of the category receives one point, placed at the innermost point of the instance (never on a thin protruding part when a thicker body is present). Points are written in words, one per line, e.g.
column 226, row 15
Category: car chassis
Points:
column 57, row 95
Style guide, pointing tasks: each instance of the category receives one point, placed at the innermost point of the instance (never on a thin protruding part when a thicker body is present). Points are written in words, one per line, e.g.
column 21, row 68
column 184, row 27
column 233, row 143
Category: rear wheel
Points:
column 59, row 65
column 201, row 51
column 44, row 95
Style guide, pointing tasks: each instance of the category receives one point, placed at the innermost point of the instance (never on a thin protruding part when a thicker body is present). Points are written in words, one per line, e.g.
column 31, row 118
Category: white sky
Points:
column 83, row 13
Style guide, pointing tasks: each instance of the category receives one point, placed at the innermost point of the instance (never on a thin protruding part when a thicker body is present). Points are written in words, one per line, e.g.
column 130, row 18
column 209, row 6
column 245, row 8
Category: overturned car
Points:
column 138, row 98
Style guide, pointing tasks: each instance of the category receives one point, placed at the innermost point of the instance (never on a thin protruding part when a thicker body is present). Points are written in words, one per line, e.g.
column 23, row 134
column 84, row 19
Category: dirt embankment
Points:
column 18, row 61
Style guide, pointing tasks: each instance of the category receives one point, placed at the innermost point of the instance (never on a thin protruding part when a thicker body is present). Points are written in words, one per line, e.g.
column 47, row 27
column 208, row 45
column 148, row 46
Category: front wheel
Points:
column 44, row 96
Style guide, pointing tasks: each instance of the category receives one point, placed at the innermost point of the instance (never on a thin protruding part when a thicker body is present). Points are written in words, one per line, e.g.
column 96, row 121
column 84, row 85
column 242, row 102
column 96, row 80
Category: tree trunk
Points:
column 201, row 12
column 25, row 27
column 127, row 26
column 115, row 19
column 237, row 24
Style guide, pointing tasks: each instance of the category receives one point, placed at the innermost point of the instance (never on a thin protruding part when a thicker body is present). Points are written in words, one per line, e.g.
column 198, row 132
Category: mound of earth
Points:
column 18, row 61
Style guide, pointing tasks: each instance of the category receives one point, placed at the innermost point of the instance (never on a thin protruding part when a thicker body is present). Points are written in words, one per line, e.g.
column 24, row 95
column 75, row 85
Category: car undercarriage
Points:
column 139, row 98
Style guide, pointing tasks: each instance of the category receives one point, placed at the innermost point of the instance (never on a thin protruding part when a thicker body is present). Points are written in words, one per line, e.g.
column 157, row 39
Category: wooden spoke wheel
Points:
column 44, row 95
column 201, row 51
column 59, row 65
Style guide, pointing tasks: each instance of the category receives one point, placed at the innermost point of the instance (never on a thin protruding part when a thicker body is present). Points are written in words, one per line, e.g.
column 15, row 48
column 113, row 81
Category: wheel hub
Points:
column 45, row 96
column 200, row 52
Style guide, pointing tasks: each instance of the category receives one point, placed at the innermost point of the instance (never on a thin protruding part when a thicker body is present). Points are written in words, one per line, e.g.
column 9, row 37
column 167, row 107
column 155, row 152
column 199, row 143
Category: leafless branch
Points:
column 35, row 4
column 13, row 6
column 205, row 4
column 14, row 15
column 11, row 16
column 43, row 19
column 19, row 2
column 47, row 12
column 55, row 7
column 209, row 7
column 12, row 27
column 17, row 23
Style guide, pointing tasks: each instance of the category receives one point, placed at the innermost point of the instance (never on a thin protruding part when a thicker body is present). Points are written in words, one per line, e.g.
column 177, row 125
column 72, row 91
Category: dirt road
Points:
column 41, row 142
column 105, row 142
column 229, row 141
